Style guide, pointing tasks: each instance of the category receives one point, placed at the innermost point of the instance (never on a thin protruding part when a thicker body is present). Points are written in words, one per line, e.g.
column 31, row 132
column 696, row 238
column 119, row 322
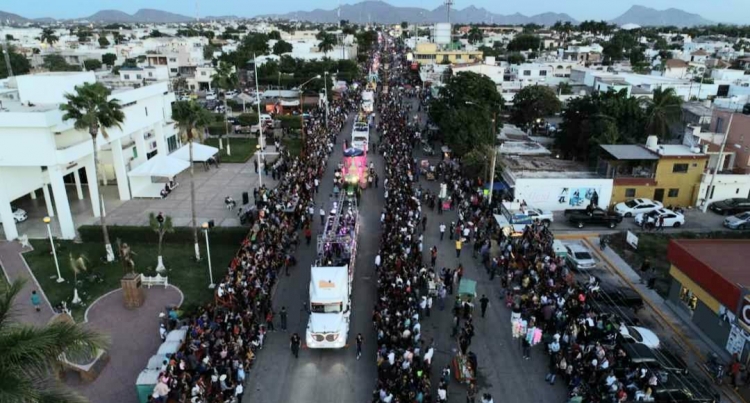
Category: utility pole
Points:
column 494, row 159
column 704, row 207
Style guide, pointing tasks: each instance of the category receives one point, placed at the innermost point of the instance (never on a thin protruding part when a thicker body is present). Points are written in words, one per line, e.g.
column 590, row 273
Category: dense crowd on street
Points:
column 223, row 337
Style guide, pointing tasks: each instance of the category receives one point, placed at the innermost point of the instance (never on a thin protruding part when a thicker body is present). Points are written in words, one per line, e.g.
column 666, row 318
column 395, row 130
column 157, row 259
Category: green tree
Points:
column 92, row 64
column 18, row 62
column 48, row 36
column 103, row 42
column 109, row 59
column 327, row 42
column 475, row 35
column 91, row 109
column 162, row 225
column 282, row 47
column 564, row 88
column 191, row 119
column 155, row 34
column 274, row 35
column 532, row 103
column 464, row 111
column 30, row 354
column 404, row 25
column 208, row 51
column 662, row 112
column 516, row 58
column 524, row 42
column 225, row 79
column 55, row 62
column 9, row 37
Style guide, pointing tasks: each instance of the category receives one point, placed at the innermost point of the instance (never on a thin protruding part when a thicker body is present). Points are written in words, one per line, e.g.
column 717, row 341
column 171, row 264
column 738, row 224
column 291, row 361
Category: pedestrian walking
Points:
column 471, row 393
column 483, row 303
column 377, row 179
column 424, row 223
column 429, row 306
column 452, row 230
column 269, row 321
column 322, row 216
column 308, row 234
column 255, row 164
column 283, row 317
column 377, row 262
column 433, row 255
column 360, row 340
column 36, row 301
column 661, row 224
column 441, row 297
column 317, row 185
column 459, row 245
column 294, row 343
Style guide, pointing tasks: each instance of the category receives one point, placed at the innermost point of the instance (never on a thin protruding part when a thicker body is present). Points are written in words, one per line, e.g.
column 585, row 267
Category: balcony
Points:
column 629, row 173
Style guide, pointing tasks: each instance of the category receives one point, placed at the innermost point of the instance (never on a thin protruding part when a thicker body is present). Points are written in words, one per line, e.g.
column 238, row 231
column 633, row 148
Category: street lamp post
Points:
column 260, row 167
column 208, row 254
column 325, row 87
column 302, row 107
column 257, row 99
column 47, row 220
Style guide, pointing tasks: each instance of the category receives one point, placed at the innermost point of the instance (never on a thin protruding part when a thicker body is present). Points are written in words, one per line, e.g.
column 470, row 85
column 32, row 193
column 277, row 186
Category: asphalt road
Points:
column 325, row 376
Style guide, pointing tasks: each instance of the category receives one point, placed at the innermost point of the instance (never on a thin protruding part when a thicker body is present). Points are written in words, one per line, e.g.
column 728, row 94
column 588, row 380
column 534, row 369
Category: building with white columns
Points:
column 38, row 149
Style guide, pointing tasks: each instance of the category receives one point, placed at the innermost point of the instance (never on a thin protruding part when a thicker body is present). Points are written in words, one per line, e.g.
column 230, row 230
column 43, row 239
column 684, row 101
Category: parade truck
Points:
column 368, row 101
column 332, row 277
column 361, row 134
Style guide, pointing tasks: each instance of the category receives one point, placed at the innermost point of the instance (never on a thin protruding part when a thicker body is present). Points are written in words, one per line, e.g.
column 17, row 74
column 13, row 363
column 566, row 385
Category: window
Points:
column 630, row 192
column 138, row 76
column 150, row 74
column 203, row 73
column 542, row 73
column 527, row 72
column 679, row 168
column 673, row 192
column 173, row 70
column 126, row 76
column 172, row 60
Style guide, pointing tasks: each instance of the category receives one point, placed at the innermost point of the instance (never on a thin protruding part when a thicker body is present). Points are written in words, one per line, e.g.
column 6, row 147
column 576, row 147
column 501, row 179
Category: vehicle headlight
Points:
column 318, row 337
column 332, row 337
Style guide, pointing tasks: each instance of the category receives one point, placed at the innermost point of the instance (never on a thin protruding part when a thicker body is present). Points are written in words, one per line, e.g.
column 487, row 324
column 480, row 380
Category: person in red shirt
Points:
column 308, row 234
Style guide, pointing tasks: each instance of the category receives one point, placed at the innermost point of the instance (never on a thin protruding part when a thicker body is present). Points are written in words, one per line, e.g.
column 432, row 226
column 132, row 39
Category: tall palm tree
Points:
column 475, row 35
column 225, row 79
column 30, row 354
column 663, row 111
column 48, row 35
column 191, row 119
column 327, row 42
column 91, row 110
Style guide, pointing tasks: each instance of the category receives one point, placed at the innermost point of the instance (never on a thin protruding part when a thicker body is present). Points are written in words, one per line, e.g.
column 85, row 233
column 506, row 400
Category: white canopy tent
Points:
column 201, row 152
column 161, row 166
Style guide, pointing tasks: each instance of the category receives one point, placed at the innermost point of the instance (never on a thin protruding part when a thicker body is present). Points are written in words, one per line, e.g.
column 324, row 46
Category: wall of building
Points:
column 16, row 182
column 739, row 135
column 561, row 194
column 50, row 88
column 724, row 187
column 687, row 184
column 704, row 317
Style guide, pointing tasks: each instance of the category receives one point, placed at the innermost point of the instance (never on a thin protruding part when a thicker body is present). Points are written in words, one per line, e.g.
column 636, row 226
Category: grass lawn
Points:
column 293, row 144
column 242, row 149
column 653, row 246
column 183, row 272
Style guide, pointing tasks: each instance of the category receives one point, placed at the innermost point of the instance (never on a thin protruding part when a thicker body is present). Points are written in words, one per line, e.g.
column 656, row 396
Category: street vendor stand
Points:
column 464, row 366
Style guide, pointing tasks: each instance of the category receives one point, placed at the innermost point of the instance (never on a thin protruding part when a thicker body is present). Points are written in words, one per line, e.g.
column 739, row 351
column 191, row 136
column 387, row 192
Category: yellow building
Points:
column 667, row 173
column 428, row 52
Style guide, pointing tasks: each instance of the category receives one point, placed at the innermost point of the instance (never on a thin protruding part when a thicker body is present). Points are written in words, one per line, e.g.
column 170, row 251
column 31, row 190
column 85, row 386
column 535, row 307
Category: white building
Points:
column 38, row 149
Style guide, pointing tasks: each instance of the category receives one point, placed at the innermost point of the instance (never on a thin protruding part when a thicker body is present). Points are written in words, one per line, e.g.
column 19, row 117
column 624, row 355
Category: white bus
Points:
column 361, row 135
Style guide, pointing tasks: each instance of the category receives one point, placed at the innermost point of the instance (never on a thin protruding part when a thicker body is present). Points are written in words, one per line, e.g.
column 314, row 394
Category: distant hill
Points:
column 649, row 17
column 144, row 15
column 382, row 12
column 11, row 18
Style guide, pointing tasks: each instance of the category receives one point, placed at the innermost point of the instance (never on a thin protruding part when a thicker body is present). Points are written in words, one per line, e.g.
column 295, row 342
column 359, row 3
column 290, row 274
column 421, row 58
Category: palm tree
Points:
column 91, row 110
column 475, row 35
column 327, row 42
column 77, row 265
column 29, row 355
column 48, row 35
column 663, row 111
column 161, row 225
column 191, row 119
column 225, row 79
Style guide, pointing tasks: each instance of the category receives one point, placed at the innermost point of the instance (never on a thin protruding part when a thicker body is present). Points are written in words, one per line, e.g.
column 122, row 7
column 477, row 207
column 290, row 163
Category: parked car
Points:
column 671, row 219
column 580, row 218
column 739, row 221
column 663, row 361
column 231, row 94
column 639, row 335
column 686, row 388
column 579, row 257
column 730, row 206
column 607, row 295
column 19, row 215
column 633, row 207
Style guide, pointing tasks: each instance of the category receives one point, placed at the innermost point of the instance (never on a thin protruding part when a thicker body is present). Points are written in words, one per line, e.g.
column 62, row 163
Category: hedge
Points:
column 289, row 121
column 217, row 129
column 181, row 235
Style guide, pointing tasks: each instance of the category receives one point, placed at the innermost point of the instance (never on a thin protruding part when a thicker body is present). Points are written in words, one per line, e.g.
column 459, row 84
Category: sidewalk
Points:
column 689, row 335
column 15, row 268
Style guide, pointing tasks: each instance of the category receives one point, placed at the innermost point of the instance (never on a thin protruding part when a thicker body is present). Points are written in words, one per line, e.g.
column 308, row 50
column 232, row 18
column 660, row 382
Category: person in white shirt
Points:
column 442, row 231
column 377, row 261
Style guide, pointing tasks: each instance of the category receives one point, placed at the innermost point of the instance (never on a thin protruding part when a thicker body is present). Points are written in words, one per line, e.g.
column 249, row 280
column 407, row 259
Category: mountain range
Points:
column 382, row 12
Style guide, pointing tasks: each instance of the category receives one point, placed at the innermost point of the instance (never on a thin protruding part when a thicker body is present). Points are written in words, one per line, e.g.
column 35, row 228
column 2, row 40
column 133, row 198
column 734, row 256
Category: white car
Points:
column 579, row 257
column 230, row 94
column 639, row 335
column 19, row 215
column 634, row 207
column 671, row 219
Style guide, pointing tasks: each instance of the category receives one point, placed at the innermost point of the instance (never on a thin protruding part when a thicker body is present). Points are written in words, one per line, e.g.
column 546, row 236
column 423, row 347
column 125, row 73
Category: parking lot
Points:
column 695, row 220
column 675, row 339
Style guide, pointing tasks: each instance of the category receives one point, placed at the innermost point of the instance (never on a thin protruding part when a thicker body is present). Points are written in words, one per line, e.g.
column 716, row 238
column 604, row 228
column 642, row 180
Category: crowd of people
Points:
column 223, row 337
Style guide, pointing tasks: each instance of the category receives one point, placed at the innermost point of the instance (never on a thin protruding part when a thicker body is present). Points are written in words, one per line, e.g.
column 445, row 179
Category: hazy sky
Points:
column 737, row 11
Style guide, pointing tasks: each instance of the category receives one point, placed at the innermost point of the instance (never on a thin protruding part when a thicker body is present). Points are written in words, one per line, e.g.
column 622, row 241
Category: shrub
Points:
column 181, row 235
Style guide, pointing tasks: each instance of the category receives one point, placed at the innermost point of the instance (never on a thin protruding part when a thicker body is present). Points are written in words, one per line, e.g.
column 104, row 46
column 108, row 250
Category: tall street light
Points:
column 302, row 106
column 47, row 220
column 494, row 150
column 325, row 87
column 260, row 167
column 257, row 99
column 208, row 254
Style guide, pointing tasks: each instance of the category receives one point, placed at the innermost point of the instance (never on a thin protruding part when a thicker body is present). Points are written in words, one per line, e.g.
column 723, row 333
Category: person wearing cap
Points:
column 294, row 344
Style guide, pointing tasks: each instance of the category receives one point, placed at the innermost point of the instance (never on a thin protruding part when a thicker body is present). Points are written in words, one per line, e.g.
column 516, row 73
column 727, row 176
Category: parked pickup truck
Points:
column 581, row 218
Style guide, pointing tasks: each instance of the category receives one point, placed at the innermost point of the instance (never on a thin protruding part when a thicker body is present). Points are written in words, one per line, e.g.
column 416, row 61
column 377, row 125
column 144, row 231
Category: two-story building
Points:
column 428, row 53
column 38, row 150
column 668, row 173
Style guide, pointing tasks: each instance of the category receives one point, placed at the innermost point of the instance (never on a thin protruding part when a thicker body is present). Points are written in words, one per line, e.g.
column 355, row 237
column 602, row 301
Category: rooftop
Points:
column 678, row 150
column 545, row 167
column 522, row 148
column 697, row 108
column 629, row 152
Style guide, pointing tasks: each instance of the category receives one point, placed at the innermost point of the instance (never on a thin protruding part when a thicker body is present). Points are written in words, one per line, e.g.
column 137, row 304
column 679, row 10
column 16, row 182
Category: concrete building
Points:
column 550, row 183
column 710, row 284
column 739, row 136
column 667, row 173
column 40, row 150
column 427, row 53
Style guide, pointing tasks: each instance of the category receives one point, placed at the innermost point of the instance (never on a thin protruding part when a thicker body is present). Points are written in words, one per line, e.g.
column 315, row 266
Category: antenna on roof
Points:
column 197, row 13
column 6, row 56
column 449, row 4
